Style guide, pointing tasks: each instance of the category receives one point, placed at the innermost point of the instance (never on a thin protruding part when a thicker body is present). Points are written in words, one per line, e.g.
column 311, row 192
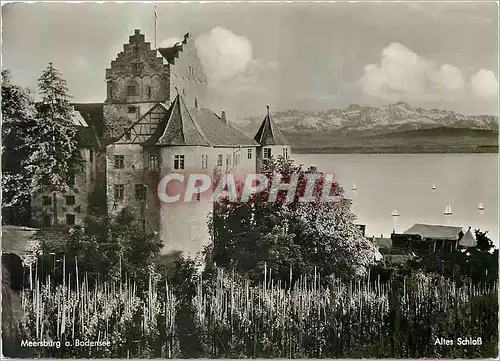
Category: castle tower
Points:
column 137, row 79
column 186, row 72
column 271, row 140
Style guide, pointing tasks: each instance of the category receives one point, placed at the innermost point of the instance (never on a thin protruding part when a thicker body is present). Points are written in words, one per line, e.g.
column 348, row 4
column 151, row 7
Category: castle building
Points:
column 153, row 123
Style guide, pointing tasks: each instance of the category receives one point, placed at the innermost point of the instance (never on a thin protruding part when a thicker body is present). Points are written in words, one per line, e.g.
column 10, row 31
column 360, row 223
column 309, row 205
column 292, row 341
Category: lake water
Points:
column 404, row 181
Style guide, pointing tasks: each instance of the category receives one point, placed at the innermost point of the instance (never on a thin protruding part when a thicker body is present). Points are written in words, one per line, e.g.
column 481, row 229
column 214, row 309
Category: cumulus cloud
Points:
column 450, row 78
column 402, row 74
column 232, row 70
column 484, row 83
column 223, row 53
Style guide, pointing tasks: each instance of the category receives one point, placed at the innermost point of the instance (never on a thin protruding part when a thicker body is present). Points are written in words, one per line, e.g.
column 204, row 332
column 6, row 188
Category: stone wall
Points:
column 183, row 225
column 118, row 117
column 140, row 67
column 131, row 175
column 83, row 186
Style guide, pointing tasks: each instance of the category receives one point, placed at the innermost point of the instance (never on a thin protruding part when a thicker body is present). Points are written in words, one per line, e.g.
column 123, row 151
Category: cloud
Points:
column 223, row 54
column 484, row 83
column 239, row 82
column 450, row 77
column 402, row 74
column 401, row 71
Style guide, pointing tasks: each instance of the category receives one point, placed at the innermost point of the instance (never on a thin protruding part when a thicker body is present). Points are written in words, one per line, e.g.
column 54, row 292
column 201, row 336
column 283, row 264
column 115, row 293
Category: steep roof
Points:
column 269, row 133
column 191, row 126
column 179, row 128
column 468, row 240
column 89, row 119
column 435, row 231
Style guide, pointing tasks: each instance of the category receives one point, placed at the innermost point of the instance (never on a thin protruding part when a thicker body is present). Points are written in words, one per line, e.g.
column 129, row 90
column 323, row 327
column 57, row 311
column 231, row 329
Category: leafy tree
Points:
column 290, row 234
column 105, row 248
column 484, row 243
column 480, row 263
column 54, row 154
column 18, row 114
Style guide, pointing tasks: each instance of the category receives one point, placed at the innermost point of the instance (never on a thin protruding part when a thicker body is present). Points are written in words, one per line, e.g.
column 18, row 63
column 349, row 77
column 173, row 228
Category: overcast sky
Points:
column 291, row 56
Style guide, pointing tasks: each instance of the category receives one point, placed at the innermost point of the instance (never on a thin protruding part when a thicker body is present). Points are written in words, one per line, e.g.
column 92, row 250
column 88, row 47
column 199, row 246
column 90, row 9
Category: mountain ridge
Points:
column 382, row 119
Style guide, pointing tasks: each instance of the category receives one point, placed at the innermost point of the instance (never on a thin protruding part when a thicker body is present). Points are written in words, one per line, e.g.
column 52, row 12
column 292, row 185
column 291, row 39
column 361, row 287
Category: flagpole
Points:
column 156, row 23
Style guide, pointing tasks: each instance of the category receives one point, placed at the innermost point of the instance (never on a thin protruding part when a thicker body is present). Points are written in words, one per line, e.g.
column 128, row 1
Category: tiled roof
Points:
column 269, row 133
column 90, row 114
column 468, row 240
column 179, row 128
column 435, row 231
column 170, row 53
column 218, row 132
column 187, row 125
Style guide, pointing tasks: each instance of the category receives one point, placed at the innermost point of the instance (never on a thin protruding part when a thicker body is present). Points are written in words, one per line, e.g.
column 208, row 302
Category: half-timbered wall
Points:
column 143, row 128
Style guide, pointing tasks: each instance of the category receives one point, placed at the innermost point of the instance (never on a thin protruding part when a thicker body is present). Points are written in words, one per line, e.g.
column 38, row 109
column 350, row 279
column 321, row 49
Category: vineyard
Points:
column 228, row 317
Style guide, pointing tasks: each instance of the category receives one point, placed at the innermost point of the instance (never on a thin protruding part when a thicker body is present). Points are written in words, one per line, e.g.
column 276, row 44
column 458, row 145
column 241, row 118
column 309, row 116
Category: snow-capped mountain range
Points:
column 384, row 119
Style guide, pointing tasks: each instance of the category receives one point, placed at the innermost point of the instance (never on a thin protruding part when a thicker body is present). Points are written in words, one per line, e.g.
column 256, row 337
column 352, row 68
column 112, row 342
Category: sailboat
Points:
column 433, row 186
column 481, row 206
column 354, row 188
column 447, row 210
column 395, row 213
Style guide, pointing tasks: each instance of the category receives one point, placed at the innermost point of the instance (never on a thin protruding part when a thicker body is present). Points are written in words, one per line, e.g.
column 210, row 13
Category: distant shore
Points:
column 397, row 150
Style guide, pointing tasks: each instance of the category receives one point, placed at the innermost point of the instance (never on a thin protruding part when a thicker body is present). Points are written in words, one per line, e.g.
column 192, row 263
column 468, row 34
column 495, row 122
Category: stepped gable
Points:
column 192, row 126
column 269, row 133
column 172, row 52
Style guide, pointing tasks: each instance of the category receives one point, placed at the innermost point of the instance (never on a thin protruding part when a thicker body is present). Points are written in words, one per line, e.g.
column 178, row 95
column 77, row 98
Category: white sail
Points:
column 395, row 213
column 447, row 210
column 480, row 206
column 354, row 188
column 433, row 186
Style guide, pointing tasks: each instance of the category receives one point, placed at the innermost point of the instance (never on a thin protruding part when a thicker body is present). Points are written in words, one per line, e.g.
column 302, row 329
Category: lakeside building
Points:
column 154, row 122
column 422, row 240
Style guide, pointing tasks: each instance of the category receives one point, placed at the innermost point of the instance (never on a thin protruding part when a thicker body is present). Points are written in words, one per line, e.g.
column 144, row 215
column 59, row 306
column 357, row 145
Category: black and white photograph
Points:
column 244, row 180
